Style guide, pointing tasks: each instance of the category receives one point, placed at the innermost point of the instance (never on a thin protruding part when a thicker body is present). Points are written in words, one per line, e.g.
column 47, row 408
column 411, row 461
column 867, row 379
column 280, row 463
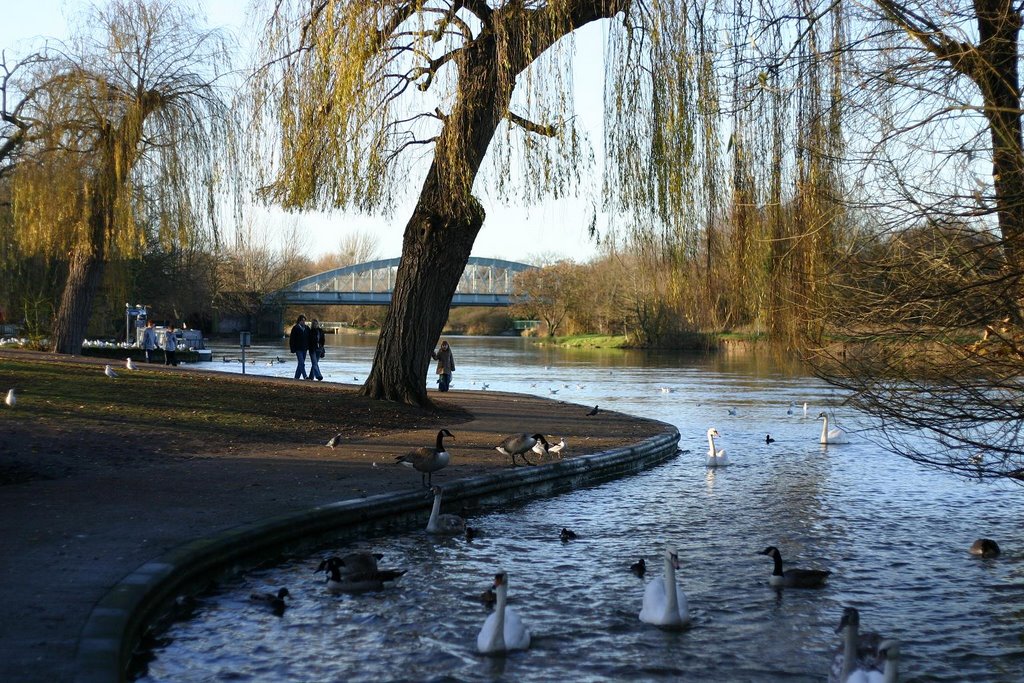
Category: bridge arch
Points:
column 484, row 282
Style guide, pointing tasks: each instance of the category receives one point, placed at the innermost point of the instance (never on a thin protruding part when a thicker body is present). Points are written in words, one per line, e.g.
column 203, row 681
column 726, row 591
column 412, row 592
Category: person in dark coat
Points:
column 316, row 350
column 445, row 366
column 298, row 343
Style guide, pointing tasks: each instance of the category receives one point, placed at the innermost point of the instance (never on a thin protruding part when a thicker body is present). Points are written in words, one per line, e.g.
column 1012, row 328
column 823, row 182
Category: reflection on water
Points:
column 894, row 535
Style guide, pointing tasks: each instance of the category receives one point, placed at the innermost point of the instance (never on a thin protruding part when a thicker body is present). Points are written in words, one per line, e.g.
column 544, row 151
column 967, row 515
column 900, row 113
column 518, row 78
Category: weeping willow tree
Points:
column 125, row 138
column 356, row 93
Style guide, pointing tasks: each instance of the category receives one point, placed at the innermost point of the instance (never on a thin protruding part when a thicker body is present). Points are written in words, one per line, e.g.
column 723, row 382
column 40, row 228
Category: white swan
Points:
column 503, row 630
column 664, row 604
column 860, row 658
column 830, row 435
column 716, row 457
column 443, row 524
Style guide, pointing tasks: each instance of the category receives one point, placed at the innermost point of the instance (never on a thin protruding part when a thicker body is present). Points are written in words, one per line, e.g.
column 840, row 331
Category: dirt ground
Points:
column 90, row 491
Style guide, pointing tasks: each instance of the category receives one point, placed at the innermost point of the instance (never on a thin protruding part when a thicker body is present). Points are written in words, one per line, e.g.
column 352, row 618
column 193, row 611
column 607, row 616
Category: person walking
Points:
column 445, row 366
column 149, row 342
column 170, row 346
column 298, row 343
column 316, row 350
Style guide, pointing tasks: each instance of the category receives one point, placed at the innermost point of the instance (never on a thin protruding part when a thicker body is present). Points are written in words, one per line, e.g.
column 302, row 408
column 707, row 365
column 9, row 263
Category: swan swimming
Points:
column 830, row 435
column 716, row 457
column 664, row 604
column 443, row 523
column 503, row 630
column 860, row 658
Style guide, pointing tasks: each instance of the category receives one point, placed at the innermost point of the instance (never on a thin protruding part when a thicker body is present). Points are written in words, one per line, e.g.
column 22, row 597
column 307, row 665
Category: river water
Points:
column 894, row 534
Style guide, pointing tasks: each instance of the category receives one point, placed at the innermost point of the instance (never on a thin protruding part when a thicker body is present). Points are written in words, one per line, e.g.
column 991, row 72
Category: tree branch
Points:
column 547, row 131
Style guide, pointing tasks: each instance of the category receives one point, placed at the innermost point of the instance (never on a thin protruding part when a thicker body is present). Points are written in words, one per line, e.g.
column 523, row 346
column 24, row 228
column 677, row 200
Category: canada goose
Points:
column 443, row 524
column 830, row 436
column 716, row 457
column 335, row 441
column 639, row 567
column 793, row 578
column 858, row 658
column 356, row 573
column 427, row 460
column 593, row 411
column 503, row 630
column 567, row 535
column 664, row 604
column 275, row 601
column 768, row 439
column 520, row 444
column 109, row 372
column 10, row 399
column 130, row 364
column 985, row 547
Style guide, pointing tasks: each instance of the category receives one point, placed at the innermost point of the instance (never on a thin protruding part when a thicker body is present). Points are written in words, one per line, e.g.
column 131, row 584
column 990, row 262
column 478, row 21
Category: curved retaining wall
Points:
column 118, row 621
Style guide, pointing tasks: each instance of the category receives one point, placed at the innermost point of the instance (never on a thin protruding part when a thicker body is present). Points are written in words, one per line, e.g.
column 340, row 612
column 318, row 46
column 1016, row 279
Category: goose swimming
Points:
column 443, row 524
column 503, row 630
column 716, row 457
column 793, row 578
column 520, row 444
column 985, row 547
column 830, row 436
column 858, row 658
column 664, row 604
column 427, row 460
column 356, row 573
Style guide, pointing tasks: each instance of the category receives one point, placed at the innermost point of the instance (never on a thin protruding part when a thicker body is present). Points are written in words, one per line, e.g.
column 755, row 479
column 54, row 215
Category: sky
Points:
column 553, row 229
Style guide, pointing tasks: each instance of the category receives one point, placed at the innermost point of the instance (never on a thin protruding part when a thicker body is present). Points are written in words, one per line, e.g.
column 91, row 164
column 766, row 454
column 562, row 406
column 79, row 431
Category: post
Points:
column 127, row 321
column 243, row 341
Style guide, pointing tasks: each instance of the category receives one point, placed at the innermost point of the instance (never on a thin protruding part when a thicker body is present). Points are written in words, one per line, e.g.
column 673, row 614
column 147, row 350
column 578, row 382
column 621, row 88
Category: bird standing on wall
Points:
column 426, row 460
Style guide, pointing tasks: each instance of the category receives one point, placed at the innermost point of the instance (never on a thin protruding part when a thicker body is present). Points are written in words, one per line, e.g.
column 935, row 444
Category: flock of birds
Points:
column 717, row 456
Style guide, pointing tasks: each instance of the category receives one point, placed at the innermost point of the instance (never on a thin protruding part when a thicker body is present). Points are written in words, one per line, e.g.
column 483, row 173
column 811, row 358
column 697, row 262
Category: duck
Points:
column 503, row 630
column 985, row 547
column 567, row 535
column 443, row 523
column 275, row 601
column 356, row 573
column 830, row 436
column 427, row 460
column 859, row 658
column 639, row 568
column 11, row 399
column 716, row 457
column 520, row 444
column 664, row 604
column 793, row 578
column 768, row 439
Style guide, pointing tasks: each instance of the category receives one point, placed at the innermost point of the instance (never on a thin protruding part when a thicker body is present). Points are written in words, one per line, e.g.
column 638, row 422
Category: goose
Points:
column 275, row 601
column 130, row 364
column 567, row 535
column 10, row 399
column 858, row 658
column 109, row 372
column 593, row 411
column 639, row 567
column 985, row 547
column 520, row 444
column 503, row 630
column 768, row 439
column 356, row 573
column 443, row 524
column 426, row 460
column 716, row 458
column 829, row 436
column 334, row 441
column 664, row 604
column 793, row 578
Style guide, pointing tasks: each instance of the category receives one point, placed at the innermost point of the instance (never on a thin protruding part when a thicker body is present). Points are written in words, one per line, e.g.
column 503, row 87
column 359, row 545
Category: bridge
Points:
column 485, row 282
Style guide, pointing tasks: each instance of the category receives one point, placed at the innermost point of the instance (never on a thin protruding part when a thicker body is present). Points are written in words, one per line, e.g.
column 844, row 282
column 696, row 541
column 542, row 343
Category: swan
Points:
column 716, row 458
column 985, row 547
column 520, row 444
column 830, row 435
column 664, row 604
column 859, row 657
column 793, row 578
column 427, row 460
column 805, row 408
column 503, row 630
column 443, row 524
column 10, row 399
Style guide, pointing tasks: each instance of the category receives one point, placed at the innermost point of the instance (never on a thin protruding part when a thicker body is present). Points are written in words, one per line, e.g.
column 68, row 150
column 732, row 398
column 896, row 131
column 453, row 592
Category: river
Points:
column 893, row 533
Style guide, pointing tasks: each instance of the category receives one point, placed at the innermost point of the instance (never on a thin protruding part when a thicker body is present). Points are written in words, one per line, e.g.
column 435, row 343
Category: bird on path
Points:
column 520, row 444
column 109, row 372
column 335, row 441
column 593, row 411
column 130, row 364
column 427, row 460
column 11, row 399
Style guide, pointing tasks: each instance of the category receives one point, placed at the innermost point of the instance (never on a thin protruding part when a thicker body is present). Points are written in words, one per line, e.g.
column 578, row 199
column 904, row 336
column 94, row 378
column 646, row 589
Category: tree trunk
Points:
column 72, row 319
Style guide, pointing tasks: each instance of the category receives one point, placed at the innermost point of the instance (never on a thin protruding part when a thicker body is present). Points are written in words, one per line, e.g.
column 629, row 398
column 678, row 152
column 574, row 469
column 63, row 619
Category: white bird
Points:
column 859, row 657
column 716, row 457
column 11, row 398
column 109, row 372
column 805, row 408
column 503, row 630
column 664, row 604
column 443, row 524
column 427, row 460
column 520, row 444
column 130, row 364
column 830, row 436
column 335, row 441
column 557, row 448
